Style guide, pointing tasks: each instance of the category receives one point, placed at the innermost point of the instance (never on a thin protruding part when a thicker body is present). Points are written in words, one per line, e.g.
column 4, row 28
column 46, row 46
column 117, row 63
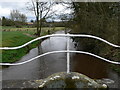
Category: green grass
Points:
column 6, row 27
column 14, row 38
column 27, row 29
column 117, row 58
column 115, row 68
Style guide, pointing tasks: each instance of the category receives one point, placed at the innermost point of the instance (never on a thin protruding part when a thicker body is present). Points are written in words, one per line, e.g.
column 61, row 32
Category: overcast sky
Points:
column 6, row 7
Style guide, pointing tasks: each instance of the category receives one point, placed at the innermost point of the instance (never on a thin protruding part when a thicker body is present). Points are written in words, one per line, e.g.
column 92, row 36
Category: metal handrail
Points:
column 66, row 51
column 70, row 51
column 60, row 35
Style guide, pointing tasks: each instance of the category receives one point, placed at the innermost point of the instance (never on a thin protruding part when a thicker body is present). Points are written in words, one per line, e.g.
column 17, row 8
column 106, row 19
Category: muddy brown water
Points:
column 53, row 63
column 89, row 66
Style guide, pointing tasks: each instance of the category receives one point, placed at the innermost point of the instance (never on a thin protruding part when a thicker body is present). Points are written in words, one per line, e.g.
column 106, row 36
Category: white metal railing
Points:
column 68, row 55
column 61, row 35
column 67, row 51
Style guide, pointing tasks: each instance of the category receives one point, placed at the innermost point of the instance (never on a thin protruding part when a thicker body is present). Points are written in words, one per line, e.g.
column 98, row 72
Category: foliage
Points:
column 97, row 19
column 9, row 22
column 100, row 19
column 16, row 19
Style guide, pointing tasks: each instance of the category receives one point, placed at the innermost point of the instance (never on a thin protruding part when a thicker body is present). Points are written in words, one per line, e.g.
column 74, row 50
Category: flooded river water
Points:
column 52, row 63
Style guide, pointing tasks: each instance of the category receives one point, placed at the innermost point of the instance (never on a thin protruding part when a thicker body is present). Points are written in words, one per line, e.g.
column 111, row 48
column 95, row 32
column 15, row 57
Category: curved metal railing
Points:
column 70, row 51
column 61, row 35
column 66, row 51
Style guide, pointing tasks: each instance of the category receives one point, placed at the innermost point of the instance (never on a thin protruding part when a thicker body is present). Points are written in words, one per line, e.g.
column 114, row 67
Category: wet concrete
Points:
column 53, row 63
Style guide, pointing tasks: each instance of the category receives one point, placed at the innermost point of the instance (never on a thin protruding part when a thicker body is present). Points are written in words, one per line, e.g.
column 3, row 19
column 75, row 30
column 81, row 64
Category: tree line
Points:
column 16, row 19
column 100, row 19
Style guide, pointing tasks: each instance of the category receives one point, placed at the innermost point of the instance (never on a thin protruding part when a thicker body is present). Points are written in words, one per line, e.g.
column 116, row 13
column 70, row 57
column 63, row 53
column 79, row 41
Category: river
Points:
column 52, row 63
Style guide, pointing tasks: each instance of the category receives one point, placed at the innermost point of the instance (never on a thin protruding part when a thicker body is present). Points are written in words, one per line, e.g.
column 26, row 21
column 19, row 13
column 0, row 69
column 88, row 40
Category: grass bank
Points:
column 13, row 37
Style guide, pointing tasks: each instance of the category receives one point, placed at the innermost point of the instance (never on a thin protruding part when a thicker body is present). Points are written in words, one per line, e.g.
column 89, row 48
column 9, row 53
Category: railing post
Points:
column 68, row 54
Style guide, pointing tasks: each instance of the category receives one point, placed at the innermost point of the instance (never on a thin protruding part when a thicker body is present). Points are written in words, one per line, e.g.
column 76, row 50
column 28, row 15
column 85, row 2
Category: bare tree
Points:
column 15, row 15
column 23, row 18
column 42, row 10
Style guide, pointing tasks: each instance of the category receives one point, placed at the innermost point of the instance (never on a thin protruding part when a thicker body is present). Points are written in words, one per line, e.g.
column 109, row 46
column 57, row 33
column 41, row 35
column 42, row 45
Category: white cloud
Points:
column 6, row 7
column 4, row 11
column 14, row 0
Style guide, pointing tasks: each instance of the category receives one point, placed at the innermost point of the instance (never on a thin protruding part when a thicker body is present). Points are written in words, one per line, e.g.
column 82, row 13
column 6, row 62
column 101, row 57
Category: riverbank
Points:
column 99, row 48
column 43, row 67
column 17, row 37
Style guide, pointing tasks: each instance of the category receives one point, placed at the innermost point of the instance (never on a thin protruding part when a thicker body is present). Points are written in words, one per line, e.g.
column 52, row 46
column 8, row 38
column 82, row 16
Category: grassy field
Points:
column 15, row 38
column 5, row 28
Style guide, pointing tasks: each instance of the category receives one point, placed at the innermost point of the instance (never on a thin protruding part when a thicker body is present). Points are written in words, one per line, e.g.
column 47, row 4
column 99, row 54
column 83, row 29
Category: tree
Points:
column 42, row 11
column 31, row 21
column 1, row 21
column 66, row 20
column 23, row 18
column 99, row 19
column 15, row 15
column 7, row 22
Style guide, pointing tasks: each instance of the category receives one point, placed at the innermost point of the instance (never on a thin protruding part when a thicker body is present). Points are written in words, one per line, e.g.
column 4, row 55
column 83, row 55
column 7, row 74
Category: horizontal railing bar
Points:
column 60, row 35
column 81, row 52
